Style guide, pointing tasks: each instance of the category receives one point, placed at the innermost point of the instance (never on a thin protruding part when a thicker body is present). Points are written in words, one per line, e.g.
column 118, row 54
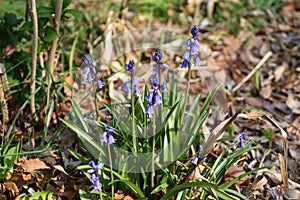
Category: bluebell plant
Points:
column 154, row 95
column 108, row 139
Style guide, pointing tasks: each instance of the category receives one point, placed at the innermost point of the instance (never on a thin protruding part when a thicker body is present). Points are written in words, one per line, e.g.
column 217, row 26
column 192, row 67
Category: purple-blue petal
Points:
column 185, row 63
column 197, row 62
column 89, row 78
column 194, row 49
column 149, row 109
column 100, row 84
column 195, row 160
column 149, row 96
column 165, row 65
column 164, row 88
column 186, row 55
column 154, row 79
column 93, row 69
column 87, row 59
column 104, row 137
column 199, row 148
column 136, row 90
column 125, row 87
column 130, row 66
column 111, row 139
column 85, row 69
column 243, row 136
column 156, row 98
column 195, row 31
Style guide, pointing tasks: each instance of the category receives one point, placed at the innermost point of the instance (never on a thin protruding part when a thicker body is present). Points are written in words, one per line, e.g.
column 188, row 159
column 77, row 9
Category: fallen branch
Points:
column 256, row 68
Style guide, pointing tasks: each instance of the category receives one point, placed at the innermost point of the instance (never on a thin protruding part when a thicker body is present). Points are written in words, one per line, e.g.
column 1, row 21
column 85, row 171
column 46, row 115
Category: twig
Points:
column 58, row 11
column 34, row 58
column 256, row 68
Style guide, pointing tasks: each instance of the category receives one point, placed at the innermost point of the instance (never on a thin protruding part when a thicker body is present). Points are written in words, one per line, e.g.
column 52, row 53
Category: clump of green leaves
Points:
column 45, row 16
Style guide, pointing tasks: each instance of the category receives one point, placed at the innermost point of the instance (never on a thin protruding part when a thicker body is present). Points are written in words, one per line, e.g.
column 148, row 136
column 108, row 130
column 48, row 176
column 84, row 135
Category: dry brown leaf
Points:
column 128, row 198
column 278, row 73
column 259, row 183
column 291, row 193
column 69, row 81
column 33, row 164
column 12, row 186
column 252, row 101
column 274, row 175
column 233, row 42
column 235, row 171
column 119, row 195
column 27, row 176
column 266, row 92
column 293, row 104
column 50, row 160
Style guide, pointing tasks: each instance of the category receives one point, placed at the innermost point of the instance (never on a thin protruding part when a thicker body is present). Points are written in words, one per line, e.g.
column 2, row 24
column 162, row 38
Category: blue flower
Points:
column 149, row 96
column 130, row 66
column 136, row 90
column 87, row 59
column 95, row 168
column 195, row 160
column 154, row 80
column 194, row 47
column 89, row 78
column 192, row 50
column 157, row 56
column 197, row 61
column 96, row 183
column 107, row 136
column 94, row 174
column 156, row 97
column 197, row 157
column 185, row 63
column 90, row 70
column 100, row 84
column 149, row 109
column 195, row 31
column 186, row 55
column 164, row 88
column 88, row 64
column 242, row 137
column 125, row 87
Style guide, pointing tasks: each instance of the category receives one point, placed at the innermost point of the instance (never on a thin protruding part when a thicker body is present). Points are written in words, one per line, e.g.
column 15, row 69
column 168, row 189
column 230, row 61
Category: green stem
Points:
column 111, row 173
column 186, row 97
column 153, row 150
column 161, row 110
column 100, row 193
column 96, row 103
column 132, row 111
